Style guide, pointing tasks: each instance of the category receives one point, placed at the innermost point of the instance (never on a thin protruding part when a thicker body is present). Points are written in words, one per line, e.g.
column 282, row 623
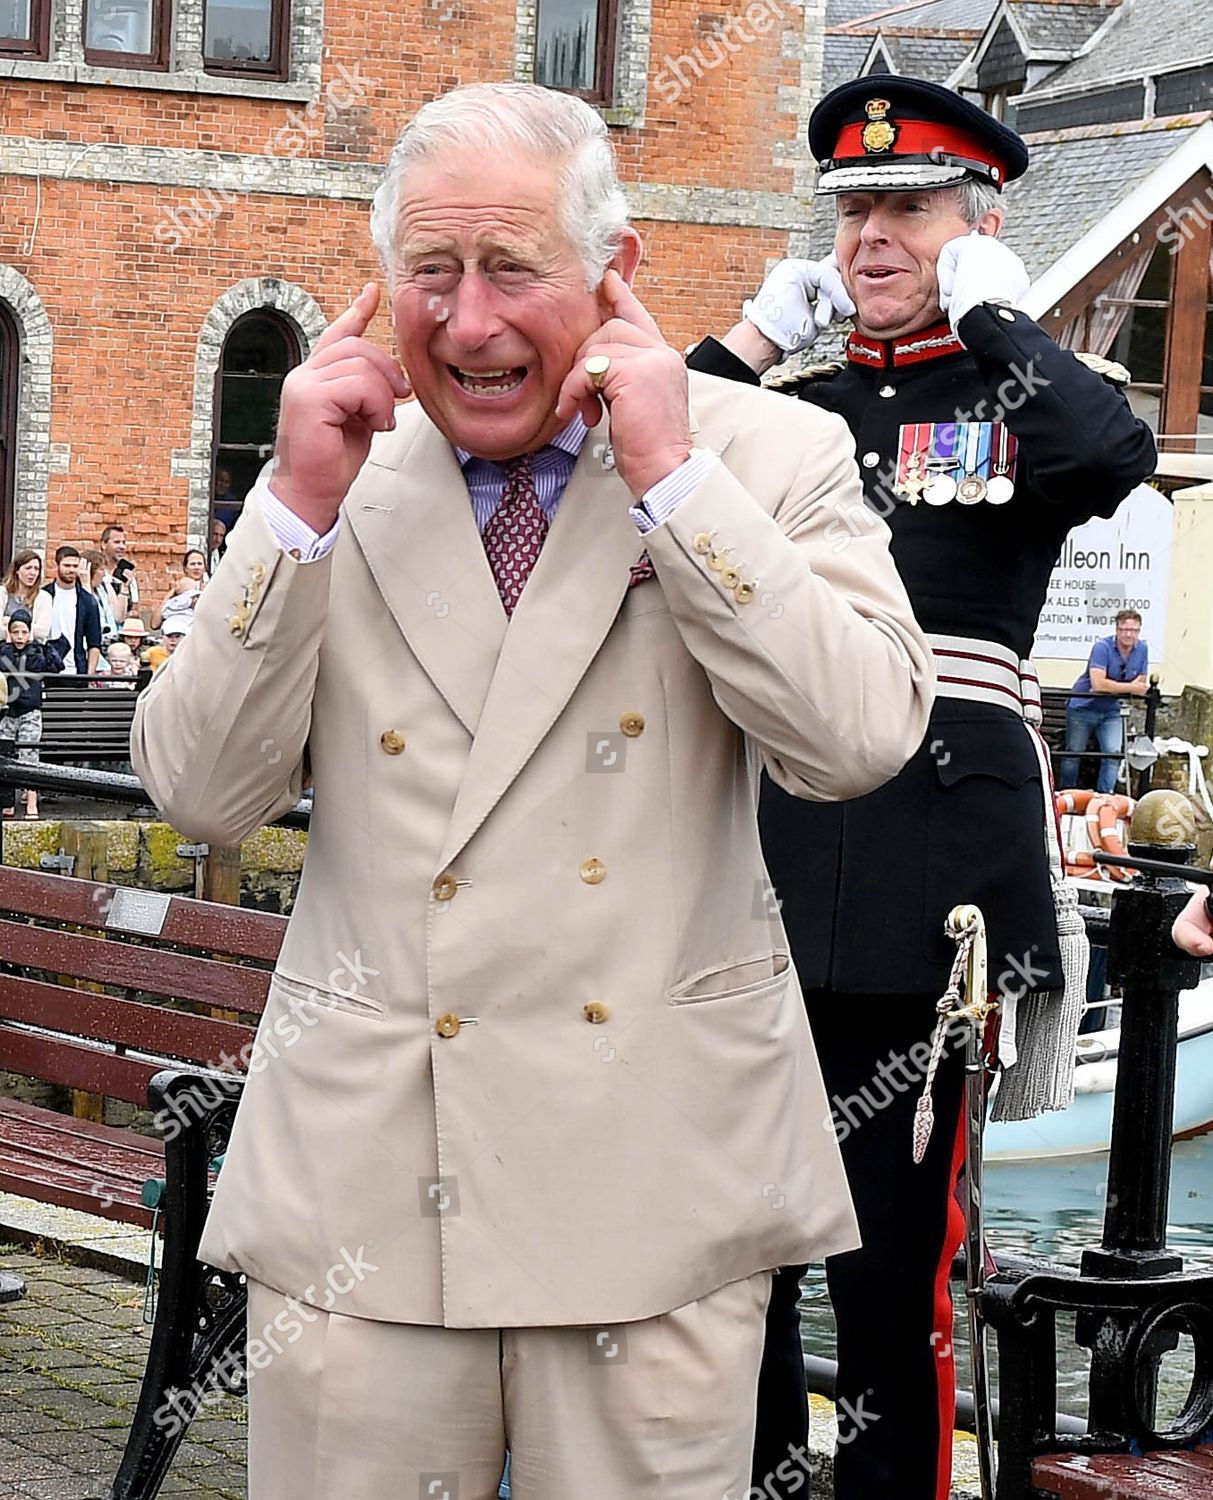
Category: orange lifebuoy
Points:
column 1102, row 811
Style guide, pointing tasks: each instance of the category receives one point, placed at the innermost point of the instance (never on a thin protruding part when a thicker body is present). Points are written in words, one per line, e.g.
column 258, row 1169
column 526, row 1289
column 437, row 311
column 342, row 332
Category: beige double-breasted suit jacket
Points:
column 534, row 1044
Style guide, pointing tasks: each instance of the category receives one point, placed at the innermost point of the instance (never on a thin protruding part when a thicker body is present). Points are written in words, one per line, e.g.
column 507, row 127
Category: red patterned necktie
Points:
column 515, row 532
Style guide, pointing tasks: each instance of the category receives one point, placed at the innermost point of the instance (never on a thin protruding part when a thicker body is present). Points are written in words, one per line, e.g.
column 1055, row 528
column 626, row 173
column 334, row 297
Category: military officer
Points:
column 981, row 443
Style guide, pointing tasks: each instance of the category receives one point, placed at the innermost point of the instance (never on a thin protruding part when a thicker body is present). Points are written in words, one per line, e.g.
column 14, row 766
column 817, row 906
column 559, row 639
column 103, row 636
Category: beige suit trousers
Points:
column 348, row 1408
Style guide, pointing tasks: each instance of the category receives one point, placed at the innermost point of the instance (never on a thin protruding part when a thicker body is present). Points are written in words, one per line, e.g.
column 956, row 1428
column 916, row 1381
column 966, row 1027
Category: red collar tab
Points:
column 911, row 349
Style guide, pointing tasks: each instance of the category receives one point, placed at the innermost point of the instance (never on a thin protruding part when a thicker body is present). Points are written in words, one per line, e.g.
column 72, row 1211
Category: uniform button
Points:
column 444, row 887
column 593, row 871
column 448, row 1025
column 716, row 559
column 595, row 1012
column 702, row 542
column 1006, row 315
column 730, row 577
column 888, row 390
column 238, row 621
column 392, row 741
column 632, row 725
column 870, row 460
column 744, row 592
column 258, row 572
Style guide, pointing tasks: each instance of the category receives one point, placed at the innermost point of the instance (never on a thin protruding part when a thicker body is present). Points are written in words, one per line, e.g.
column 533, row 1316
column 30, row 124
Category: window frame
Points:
column 10, row 432
column 155, row 61
column 605, row 47
column 278, row 65
column 38, row 47
column 297, row 353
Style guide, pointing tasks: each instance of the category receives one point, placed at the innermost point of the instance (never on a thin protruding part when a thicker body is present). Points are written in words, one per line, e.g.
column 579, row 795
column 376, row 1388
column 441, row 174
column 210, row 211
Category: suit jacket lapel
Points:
column 413, row 520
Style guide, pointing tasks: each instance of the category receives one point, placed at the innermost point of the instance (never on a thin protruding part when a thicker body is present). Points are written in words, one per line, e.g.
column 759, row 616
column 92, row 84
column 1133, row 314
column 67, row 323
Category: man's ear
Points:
column 991, row 222
column 626, row 259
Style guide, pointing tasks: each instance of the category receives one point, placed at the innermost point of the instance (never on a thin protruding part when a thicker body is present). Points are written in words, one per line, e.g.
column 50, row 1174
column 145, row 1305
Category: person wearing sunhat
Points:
column 981, row 443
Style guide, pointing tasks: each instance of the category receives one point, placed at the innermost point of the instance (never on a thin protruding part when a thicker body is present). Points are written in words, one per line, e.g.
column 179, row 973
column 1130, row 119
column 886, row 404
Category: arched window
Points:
column 10, row 357
column 261, row 348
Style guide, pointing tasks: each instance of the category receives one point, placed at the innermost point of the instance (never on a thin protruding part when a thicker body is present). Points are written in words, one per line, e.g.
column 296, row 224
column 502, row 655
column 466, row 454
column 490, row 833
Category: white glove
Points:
column 798, row 301
column 976, row 268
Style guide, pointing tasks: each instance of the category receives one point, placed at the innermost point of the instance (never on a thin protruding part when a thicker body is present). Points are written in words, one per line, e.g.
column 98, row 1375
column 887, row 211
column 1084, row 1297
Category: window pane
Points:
column 564, row 52
column 120, row 26
column 239, row 30
column 15, row 20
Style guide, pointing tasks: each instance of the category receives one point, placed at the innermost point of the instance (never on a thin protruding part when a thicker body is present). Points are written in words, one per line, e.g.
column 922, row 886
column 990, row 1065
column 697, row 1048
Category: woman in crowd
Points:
column 181, row 598
column 22, row 589
column 112, row 606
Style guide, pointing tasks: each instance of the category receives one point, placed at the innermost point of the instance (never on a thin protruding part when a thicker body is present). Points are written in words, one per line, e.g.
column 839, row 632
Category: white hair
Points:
column 975, row 199
column 539, row 122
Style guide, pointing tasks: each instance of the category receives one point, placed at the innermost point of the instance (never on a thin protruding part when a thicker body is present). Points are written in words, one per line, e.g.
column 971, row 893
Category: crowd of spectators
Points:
column 85, row 619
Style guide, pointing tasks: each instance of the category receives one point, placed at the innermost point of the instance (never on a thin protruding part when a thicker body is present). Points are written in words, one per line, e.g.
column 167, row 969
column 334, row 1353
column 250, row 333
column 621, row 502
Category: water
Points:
column 1055, row 1209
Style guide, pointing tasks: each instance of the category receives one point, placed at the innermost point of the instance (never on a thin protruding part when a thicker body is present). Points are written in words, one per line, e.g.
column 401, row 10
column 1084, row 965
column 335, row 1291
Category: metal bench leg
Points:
column 198, row 1337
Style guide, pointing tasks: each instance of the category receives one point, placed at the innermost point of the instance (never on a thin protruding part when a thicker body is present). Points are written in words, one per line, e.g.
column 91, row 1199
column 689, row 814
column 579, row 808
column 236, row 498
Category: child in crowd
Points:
column 181, row 598
column 22, row 724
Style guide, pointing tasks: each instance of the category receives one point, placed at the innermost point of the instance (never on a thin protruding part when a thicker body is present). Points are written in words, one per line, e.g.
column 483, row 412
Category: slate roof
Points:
column 1058, row 28
column 1076, row 178
column 934, row 15
column 844, row 57
column 933, row 58
column 1143, row 36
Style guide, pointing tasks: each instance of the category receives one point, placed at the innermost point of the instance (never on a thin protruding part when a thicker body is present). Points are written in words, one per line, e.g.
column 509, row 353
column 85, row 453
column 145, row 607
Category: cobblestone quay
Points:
column 72, row 1353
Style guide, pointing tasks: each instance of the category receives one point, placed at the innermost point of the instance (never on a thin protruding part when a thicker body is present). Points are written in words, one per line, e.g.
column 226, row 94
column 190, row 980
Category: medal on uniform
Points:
column 911, row 463
column 941, row 487
column 1000, row 486
column 977, row 439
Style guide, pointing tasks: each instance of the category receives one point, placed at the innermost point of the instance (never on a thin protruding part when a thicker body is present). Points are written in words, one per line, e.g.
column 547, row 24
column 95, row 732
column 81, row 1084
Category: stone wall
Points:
column 145, row 855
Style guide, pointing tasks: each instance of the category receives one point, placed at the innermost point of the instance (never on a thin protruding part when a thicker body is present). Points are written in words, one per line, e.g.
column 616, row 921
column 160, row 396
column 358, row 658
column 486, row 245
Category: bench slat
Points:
column 1156, row 1476
column 233, row 930
column 134, row 966
column 73, row 1065
column 102, row 1018
column 76, row 1163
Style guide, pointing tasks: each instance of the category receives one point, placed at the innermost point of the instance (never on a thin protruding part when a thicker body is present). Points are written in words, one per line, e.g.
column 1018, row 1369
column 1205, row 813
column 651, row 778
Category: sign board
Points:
column 1107, row 566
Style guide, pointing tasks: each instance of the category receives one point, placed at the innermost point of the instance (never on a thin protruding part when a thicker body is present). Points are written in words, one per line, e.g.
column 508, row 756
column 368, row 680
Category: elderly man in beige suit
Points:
column 536, row 1108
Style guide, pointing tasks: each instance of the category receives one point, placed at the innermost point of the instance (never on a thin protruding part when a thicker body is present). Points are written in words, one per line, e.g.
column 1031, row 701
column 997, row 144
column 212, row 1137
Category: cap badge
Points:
column 878, row 133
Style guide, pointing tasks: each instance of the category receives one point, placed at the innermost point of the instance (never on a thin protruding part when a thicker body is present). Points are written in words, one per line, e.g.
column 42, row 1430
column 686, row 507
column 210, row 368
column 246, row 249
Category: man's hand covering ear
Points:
column 976, row 268
column 798, row 301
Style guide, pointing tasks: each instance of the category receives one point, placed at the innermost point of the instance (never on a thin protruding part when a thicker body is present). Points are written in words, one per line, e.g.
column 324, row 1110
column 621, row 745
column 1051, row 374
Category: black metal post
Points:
column 1151, row 971
column 1145, row 778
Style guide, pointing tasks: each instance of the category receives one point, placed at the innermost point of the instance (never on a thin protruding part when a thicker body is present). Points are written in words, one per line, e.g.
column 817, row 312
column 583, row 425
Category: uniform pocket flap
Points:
column 1004, row 752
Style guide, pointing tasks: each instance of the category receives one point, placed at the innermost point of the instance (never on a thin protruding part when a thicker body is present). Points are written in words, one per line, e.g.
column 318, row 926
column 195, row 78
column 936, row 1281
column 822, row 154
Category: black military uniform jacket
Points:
column 865, row 885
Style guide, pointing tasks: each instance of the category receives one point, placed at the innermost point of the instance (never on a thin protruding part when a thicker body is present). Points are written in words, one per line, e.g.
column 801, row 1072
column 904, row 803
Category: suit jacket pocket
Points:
column 326, row 997
column 751, row 979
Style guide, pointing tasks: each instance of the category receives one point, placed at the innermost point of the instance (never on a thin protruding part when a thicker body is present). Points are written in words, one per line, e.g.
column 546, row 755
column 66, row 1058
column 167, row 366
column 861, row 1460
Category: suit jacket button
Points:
column 887, row 390
column 595, row 1012
column 448, row 1025
column 258, row 572
column 237, row 623
column 392, row 741
column 744, row 592
column 870, row 460
column 632, row 725
column 730, row 577
column 702, row 542
column 716, row 559
column 593, row 871
column 444, row 887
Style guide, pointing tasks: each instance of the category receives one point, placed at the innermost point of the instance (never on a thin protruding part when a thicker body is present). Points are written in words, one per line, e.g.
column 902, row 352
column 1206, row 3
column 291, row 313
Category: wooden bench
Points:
column 100, row 987
column 1118, row 1476
column 87, row 718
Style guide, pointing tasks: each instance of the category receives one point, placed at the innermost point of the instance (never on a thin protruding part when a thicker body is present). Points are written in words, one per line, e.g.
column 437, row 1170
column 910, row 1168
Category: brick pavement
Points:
column 72, row 1353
